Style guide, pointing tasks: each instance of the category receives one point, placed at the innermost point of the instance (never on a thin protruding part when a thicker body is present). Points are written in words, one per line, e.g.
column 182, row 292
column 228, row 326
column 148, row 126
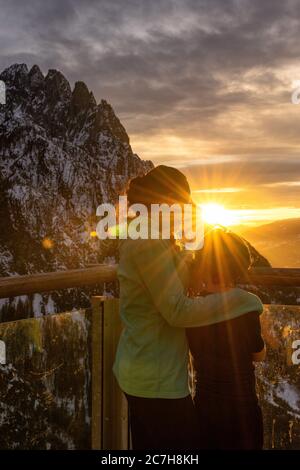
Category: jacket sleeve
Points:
column 155, row 263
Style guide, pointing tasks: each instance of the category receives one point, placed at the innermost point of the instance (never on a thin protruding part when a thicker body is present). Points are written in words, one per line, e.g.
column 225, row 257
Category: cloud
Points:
column 192, row 81
column 274, row 183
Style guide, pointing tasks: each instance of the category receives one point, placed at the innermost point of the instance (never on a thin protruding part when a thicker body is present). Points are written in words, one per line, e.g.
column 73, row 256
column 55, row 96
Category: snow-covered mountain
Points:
column 62, row 154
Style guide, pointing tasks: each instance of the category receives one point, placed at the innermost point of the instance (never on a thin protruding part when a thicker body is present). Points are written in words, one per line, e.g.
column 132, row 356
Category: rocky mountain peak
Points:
column 16, row 74
column 61, row 112
column 61, row 156
column 108, row 120
column 82, row 98
column 57, row 87
column 36, row 78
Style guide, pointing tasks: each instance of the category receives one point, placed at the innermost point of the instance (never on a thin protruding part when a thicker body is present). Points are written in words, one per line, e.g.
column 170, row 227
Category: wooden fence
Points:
column 109, row 407
column 64, row 364
column 57, row 389
column 32, row 283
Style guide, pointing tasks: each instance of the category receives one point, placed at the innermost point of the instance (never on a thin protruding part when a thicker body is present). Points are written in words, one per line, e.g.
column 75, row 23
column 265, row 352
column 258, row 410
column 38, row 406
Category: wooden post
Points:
column 115, row 411
column 97, row 372
column 109, row 405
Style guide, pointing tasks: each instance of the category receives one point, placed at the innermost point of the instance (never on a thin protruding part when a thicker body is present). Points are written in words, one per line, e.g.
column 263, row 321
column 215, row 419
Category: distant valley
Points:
column 279, row 241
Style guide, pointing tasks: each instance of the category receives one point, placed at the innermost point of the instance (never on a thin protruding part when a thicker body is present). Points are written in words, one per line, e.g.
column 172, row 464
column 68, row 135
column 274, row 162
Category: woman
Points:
column 151, row 364
column 223, row 353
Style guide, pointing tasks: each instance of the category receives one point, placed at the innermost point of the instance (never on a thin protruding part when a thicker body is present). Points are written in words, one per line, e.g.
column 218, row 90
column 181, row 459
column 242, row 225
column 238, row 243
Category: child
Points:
column 228, row 412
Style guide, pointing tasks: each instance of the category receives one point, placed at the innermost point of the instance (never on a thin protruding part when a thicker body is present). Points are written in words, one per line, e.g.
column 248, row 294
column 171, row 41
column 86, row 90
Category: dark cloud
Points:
column 207, row 71
column 244, row 173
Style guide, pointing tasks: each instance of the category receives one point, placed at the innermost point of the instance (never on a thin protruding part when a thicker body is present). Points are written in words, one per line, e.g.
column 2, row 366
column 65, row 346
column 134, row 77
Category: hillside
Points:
column 279, row 242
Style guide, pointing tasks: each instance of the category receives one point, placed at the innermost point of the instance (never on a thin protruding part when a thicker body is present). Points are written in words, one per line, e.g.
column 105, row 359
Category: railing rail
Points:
column 273, row 277
column 32, row 283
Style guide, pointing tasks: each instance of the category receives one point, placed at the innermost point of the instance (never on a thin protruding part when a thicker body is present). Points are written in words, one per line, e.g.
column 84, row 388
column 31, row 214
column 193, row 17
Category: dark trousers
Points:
column 228, row 424
column 158, row 423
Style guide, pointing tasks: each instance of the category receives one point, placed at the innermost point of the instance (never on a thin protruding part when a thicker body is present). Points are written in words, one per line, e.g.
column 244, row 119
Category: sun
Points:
column 216, row 214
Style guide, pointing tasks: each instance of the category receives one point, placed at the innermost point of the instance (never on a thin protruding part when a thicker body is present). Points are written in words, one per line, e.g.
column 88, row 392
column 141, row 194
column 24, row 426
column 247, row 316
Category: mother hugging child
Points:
column 151, row 363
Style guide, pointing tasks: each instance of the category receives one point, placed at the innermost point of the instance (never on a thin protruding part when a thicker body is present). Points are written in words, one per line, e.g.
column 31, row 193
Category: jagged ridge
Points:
column 62, row 154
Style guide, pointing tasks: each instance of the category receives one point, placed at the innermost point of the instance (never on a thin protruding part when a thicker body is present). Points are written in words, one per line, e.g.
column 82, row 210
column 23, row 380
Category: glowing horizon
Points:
column 217, row 214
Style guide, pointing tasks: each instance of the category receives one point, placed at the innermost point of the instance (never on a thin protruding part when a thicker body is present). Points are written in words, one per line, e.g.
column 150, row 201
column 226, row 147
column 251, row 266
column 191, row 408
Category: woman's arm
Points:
column 154, row 260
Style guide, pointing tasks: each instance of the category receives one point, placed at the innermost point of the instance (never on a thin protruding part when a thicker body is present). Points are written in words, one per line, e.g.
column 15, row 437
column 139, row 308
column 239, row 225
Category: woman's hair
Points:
column 163, row 184
column 224, row 258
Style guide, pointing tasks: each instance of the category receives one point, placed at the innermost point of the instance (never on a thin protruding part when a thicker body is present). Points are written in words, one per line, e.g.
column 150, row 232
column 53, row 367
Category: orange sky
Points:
column 202, row 85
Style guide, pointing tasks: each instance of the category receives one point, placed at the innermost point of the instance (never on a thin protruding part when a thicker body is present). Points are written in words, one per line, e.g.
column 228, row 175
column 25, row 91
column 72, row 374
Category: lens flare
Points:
column 215, row 214
column 47, row 243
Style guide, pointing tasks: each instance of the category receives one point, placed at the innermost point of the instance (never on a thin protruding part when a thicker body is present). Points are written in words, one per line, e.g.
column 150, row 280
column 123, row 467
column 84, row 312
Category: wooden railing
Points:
column 32, row 283
column 69, row 358
column 66, row 358
column 109, row 414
